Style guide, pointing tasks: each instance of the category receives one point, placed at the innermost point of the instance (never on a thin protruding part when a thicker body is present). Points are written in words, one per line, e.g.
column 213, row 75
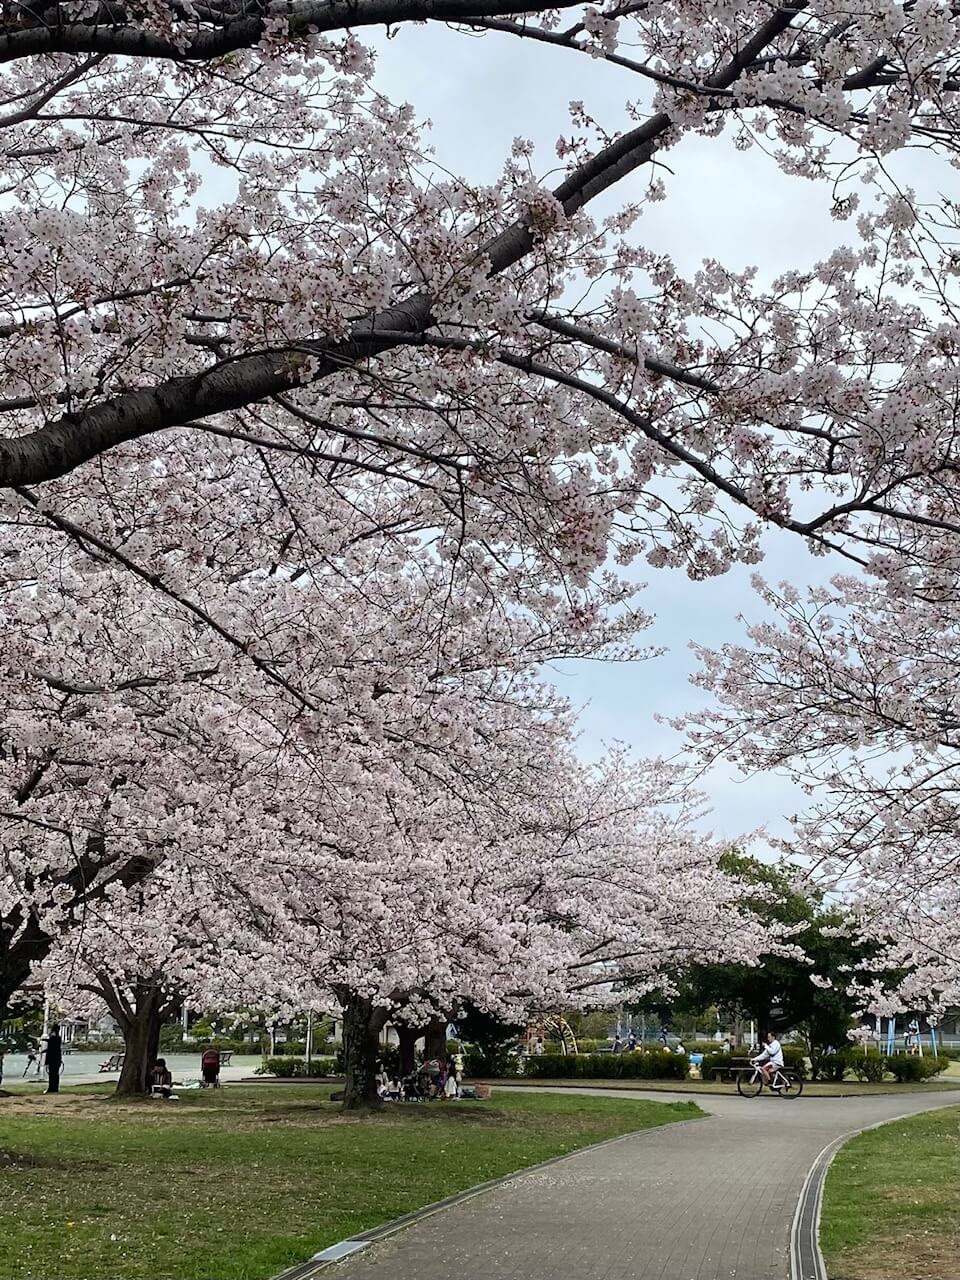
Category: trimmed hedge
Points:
column 871, row 1067
column 794, row 1059
column 651, row 1065
column 288, row 1068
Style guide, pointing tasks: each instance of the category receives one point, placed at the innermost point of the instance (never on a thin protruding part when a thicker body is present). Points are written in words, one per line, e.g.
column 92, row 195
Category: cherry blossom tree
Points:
column 142, row 953
column 309, row 445
column 544, row 884
column 851, row 688
column 139, row 731
column 419, row 322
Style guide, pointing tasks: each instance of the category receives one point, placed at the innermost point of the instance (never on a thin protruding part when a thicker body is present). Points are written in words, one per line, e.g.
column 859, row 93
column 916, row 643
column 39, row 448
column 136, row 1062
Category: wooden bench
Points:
column 113, row 1063
column 730, row 1070
column 225, row 1057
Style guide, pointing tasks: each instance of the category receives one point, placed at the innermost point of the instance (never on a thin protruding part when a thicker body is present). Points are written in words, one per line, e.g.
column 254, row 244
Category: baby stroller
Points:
column 413, row 1088
column 210, row 1069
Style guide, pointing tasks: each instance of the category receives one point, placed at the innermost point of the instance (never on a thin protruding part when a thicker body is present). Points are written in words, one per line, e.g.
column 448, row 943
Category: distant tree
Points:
column 802, row 986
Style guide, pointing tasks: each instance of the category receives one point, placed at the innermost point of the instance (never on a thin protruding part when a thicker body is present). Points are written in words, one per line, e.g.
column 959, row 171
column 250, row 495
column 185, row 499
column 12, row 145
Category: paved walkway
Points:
column 710, row 1200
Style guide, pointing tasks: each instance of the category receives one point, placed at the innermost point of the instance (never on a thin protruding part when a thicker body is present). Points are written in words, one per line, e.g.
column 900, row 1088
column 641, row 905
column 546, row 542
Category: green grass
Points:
column 238, row 1184
column 891, row 1205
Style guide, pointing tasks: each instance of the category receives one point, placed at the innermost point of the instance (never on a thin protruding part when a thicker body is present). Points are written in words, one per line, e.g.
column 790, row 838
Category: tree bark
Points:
column 140, row 1018
column 435, row 1039
column 362, row 1023
column 137, row 1061
column 408, row 1037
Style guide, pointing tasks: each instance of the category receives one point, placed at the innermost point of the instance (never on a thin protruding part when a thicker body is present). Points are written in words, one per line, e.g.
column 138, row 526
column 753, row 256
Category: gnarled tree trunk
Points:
column 435, row 1039
column 408, row 1037
column 140, row 1013
column 362, row 1023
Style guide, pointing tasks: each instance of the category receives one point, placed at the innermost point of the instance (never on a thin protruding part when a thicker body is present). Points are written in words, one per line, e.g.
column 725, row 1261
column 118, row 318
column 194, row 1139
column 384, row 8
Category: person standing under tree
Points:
column 54, row 1059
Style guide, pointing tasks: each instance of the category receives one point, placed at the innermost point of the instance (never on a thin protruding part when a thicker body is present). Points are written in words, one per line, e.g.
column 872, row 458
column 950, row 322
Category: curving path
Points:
column 713, row 1199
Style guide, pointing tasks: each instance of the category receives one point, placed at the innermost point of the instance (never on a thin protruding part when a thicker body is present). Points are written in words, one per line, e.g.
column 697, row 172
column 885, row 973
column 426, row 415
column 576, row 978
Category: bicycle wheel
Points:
column 749, row 1086
column 790, row 1085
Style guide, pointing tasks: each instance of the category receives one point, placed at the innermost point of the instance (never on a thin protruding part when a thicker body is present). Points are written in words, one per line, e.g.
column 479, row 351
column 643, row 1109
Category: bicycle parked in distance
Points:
column 787, row 1084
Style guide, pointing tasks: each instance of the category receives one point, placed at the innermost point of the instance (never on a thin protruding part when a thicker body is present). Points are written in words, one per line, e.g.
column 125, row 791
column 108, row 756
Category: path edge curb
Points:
column 806, row 1257
column 341, row 1248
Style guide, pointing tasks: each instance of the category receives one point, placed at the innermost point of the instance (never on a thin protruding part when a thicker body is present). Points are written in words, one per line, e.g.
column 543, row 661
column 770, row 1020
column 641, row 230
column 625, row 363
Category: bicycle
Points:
column 785, row 1083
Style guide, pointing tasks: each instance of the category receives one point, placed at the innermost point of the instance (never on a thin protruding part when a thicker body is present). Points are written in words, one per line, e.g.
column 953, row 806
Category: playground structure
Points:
column 553, row 1027
column 912, row 1036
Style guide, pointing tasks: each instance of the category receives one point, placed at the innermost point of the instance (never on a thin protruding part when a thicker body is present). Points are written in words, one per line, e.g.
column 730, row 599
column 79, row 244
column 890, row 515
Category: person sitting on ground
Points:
column 387, row 1087
column 160, row 1080
column 770, row 1058
column 210, row 1068
column 452, row 1087
column 430, row 1075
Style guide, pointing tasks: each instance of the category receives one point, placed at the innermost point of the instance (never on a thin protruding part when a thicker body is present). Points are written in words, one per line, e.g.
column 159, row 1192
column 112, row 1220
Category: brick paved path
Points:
column 711, row 1200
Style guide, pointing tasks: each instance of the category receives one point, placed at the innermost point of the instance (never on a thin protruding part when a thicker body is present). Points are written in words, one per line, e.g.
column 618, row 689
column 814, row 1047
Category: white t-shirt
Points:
column 772, row 1053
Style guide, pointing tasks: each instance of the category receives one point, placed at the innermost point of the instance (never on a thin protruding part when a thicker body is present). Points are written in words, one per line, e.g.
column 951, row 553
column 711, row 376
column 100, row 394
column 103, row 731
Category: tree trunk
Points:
column 141, row 1040
column 140, row 1013
column 362, row 1024
column 408, row 1042
column 435, row 1040
column 133, row 1073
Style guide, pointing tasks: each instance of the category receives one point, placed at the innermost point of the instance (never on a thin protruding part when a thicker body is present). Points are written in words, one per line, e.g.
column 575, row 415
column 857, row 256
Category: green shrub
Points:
column 283, row 1068
column 909, row 1068
column 832, row 1066
column 932, row 1066
column 499, row 1064
column 651, row 1065
column 795, row 1060
column 551, row 1066
column 905, row 1067
column 869, row 1067
column 111, row 1044
column 715, row 1059
column 661, row 1064
column 592, row 1046
column 288, row 1068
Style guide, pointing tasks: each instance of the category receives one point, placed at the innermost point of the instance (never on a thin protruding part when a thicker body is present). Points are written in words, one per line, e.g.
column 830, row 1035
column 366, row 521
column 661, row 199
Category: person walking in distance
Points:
column 54, row 1059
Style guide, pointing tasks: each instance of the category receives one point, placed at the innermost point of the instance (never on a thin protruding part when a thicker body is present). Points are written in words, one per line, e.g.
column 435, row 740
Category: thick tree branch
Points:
column 35, row 30
column 60, row 446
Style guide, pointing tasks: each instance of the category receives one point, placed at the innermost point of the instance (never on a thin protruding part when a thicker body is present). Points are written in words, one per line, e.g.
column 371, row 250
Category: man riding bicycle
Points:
column 770, row 1058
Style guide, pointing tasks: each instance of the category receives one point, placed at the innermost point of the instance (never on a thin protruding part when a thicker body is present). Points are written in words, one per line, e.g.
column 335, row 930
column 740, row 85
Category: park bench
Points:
column 113, row 1063
column 225, row 1058
column 730, row 1070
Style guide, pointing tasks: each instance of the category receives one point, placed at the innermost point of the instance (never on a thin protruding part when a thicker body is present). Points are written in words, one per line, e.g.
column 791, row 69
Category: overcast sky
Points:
column 735, row 206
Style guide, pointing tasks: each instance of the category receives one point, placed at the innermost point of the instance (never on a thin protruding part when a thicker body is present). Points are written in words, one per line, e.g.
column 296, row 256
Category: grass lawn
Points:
column 238, row 1184
column 891, row 1208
